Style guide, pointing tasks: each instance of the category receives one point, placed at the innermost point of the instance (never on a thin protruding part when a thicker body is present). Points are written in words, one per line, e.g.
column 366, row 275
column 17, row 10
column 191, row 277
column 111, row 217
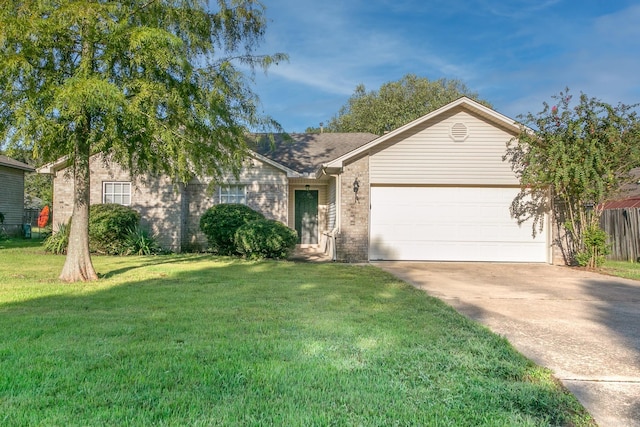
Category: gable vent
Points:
column 459, row 132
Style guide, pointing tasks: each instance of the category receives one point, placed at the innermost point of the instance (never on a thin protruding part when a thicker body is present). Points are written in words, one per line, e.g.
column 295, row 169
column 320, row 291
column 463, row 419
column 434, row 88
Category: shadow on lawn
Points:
column 241, row 333
column 151, row 260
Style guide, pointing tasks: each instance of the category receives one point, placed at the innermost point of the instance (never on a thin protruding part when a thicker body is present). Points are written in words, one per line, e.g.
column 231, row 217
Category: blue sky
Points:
column 514, row 53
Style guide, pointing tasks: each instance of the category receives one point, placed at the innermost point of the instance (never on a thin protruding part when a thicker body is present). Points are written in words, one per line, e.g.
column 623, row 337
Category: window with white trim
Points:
column 116, row 192
column 233, row 194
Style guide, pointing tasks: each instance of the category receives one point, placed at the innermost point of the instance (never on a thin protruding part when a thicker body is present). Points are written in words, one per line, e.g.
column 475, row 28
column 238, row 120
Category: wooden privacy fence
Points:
column 623, row 228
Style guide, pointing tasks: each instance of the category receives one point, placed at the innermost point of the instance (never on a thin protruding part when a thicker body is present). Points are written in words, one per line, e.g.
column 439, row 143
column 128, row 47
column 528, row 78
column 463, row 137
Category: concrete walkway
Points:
column 583, row 326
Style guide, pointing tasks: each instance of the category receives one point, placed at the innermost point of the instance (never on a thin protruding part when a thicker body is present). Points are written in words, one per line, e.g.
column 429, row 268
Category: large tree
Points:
column 155, row 85
column 574, row 158
column 396, row 103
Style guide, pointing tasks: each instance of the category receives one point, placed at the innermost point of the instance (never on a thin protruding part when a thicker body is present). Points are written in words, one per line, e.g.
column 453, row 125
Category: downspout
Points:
column 336, row 228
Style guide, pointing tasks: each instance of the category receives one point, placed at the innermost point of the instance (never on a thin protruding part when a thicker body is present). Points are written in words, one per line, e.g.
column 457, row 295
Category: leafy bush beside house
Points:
column 113, row 230
column 265, row 238
column 109, row 225
column 220, row 223
column 57, row 242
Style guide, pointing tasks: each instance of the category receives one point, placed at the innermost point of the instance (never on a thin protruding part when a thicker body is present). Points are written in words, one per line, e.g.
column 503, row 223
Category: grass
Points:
column 199, row 340
column 628, row 270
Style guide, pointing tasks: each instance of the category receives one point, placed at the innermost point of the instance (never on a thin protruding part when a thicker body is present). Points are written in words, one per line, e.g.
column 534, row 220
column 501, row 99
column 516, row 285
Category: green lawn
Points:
column 199, row 340
column 629, row 270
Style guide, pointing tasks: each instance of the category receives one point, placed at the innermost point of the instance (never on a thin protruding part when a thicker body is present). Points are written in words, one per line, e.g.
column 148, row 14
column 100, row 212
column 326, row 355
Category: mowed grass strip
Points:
column 199, row 340
column 626, row 269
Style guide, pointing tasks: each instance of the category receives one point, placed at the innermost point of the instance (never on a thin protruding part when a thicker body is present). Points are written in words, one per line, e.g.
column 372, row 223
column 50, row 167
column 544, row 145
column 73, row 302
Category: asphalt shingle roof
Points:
column 9, row 162
column 305, row 152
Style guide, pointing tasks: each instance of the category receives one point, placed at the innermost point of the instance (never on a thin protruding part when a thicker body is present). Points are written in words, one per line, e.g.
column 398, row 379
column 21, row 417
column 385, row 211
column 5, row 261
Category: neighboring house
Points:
column 12, row 193
column 434, row 189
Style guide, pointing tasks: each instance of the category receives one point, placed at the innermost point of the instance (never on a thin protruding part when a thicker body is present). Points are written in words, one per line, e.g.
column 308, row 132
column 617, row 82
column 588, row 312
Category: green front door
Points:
column 307, row 216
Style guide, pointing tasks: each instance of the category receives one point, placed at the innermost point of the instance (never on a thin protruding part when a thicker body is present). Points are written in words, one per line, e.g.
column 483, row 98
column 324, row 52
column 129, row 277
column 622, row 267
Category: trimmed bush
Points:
column 109, row 228
column 265, row 238
column 220, row 223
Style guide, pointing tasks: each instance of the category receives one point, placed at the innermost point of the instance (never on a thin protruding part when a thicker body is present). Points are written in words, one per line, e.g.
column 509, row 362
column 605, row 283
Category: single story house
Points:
column 12, row 193
column 434, row 189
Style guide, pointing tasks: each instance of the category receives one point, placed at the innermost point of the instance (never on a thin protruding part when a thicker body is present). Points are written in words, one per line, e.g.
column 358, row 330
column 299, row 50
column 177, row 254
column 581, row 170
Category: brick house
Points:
column 434, row 189
column 12, row 193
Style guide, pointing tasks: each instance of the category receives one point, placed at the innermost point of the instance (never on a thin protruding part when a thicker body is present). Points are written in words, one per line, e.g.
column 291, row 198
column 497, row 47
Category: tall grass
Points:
column 197, row 340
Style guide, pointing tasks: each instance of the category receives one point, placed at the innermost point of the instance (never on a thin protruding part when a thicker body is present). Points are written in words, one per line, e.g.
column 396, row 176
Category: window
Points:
column 233, row 194
column 116, row 192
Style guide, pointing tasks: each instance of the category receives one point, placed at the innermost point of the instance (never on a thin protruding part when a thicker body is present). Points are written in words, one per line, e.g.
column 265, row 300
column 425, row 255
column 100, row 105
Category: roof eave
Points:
column 15, row 164
column 52, row 167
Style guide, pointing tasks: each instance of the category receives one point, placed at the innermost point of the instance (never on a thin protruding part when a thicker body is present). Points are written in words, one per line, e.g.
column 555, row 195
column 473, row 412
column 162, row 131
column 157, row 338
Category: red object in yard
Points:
column 43, row 218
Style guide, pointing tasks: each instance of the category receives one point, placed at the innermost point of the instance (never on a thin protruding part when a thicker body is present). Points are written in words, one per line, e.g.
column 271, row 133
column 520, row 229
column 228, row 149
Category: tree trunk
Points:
column 78, row 265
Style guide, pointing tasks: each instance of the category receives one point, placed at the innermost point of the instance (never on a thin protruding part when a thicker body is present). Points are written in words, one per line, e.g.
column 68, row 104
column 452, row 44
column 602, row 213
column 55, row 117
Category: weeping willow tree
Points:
column 155, row 85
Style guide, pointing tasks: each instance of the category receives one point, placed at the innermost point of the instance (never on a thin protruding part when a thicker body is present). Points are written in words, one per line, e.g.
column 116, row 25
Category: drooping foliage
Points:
column 156, row 85
column 574, row 157
column 396, row 104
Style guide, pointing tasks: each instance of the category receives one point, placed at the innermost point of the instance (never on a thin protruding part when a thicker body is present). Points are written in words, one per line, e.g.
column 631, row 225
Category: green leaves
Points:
column 577, row 156
column 152, row 84
column 396, row 104
column 156, row 82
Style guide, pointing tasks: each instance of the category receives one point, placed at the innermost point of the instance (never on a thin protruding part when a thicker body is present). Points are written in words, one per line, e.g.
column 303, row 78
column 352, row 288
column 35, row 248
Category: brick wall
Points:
column 267, row 198
column 172, row 211
column 156, row 198
column 352, row 243
column 558, row 234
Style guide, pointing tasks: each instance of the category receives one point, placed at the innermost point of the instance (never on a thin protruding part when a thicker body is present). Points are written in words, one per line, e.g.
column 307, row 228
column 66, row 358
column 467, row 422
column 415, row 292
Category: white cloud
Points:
column 515, row 54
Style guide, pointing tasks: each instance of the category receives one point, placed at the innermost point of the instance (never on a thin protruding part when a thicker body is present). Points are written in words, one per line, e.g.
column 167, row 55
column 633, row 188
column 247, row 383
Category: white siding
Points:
column 257, row 172
column 430, row 156
column 299, row 184
column 331, row 208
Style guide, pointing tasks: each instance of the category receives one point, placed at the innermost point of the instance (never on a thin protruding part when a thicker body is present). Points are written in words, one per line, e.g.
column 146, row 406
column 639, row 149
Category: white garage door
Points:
column 450, row 224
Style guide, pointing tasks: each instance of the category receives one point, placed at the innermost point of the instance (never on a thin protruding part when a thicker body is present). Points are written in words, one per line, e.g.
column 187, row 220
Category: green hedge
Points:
column 113, row 230
column 109, row 227
column 265, row 238
column 220, row 223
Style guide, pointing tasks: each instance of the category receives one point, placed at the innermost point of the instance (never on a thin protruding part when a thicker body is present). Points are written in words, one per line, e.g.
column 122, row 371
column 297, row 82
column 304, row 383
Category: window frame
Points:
column 114, row 194
column 232, row 193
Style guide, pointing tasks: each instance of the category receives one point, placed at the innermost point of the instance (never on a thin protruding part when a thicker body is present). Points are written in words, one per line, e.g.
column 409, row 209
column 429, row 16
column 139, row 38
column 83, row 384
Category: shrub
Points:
column 596, row 247
column 109, row 227
column 57, row 242
column 138, row 242
column 221, row 222
column 265, row 238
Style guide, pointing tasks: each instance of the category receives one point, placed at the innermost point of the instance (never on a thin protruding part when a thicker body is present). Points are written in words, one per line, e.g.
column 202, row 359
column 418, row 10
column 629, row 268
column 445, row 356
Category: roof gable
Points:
column 486, row 113
column 306, row 152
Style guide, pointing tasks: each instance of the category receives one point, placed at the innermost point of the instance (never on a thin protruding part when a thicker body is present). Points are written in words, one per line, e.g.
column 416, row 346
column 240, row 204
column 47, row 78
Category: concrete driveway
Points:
column 583, row 326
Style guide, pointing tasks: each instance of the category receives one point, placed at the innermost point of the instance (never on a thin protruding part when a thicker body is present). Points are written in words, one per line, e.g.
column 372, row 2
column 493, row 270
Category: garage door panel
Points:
column 450, row 224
